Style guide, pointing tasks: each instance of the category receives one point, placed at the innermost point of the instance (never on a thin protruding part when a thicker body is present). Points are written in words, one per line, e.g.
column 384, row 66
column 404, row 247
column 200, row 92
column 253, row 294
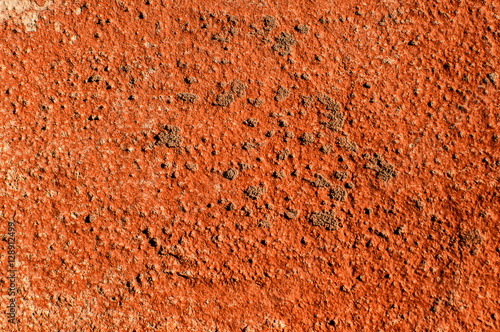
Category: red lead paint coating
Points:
column 251, row 166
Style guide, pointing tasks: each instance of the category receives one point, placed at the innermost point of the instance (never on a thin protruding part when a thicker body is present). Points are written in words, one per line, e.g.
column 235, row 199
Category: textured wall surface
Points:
column 251, row 165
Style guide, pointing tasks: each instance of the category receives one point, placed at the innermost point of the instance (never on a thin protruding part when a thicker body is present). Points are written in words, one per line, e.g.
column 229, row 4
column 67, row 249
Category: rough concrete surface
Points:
column 250, row 165
column 25, row 12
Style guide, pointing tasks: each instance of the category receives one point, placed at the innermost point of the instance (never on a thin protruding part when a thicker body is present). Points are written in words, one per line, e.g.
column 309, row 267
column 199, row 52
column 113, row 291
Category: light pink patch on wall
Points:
column 23, row 11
